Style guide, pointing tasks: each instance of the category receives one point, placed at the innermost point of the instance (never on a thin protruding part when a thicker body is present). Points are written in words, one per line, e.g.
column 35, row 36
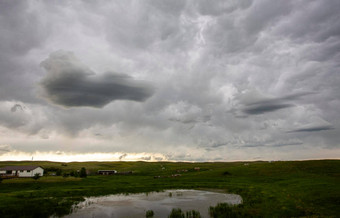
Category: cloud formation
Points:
column 231, row 78
column 271, row 104
column 5, row 148
column 17, row 107
column 263, row 107
column 252, row 102
column 71, row 84
column 313, row 129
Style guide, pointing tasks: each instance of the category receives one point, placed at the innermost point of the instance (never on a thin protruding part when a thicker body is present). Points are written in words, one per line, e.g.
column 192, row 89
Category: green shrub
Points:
column 176, row 213
column 83, row 173
column 149, row 214
column 227, row 173
column 74, row 173
column 36, row 176
column 192, row 214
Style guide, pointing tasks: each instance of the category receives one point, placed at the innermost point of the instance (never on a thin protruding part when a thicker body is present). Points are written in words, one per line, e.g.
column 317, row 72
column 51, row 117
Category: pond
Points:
column 136, row 205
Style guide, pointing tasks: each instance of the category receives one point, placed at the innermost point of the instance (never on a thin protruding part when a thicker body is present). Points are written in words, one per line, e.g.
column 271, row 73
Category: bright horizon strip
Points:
column 80, row 157
column 57, row 156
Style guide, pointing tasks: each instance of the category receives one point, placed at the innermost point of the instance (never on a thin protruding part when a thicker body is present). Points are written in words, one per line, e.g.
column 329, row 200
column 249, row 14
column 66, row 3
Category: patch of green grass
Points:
column 224, row 210
column 47, row 179
column 277, row 189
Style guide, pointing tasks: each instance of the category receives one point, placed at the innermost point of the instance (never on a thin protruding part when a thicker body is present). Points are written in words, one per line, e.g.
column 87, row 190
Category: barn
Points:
column 21, row 171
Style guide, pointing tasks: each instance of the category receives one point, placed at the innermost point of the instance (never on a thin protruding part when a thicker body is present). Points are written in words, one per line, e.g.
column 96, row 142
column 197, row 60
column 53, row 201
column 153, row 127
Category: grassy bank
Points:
column 276, row 189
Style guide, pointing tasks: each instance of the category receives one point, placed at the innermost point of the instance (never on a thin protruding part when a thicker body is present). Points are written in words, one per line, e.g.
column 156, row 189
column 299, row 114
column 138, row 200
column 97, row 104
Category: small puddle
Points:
column 136, row 205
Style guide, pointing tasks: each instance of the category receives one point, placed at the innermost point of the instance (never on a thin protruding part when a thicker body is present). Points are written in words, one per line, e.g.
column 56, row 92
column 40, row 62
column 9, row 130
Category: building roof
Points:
column 19, row 167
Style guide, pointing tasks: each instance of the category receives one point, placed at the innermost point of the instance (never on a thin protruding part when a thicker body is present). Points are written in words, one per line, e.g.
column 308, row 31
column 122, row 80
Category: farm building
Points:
column 21, row 171
column 107, row 172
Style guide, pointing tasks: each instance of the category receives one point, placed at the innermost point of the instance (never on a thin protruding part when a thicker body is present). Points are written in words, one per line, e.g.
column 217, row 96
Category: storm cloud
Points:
column 192, row 80
column 312, row 129
column 271, row 104
column 69, row 83
column 260, row 108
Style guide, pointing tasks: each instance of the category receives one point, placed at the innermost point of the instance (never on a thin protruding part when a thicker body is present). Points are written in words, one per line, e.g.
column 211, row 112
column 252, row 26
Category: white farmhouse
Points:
column 21, row 171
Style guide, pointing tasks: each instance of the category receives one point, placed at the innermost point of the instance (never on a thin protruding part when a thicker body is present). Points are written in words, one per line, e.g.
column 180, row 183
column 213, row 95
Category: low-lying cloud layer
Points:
column 71, row 84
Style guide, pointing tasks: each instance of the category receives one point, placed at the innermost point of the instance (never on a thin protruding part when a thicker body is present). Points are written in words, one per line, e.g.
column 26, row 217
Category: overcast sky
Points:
column 170, row 80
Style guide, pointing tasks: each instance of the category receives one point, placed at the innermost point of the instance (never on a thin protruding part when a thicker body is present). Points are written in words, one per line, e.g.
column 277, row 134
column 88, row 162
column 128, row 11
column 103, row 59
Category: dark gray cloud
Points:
column 313, row 129
column 273, row 104
column 260, row 108
column 71, row 84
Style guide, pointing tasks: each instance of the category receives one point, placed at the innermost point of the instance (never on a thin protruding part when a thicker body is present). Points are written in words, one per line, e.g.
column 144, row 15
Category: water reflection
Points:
column 136, row 205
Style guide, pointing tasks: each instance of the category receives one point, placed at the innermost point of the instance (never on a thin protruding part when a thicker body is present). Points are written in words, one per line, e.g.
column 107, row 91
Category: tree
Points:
column 74, row 173
column 83, row 173
column 58, row 172
column 36, row 176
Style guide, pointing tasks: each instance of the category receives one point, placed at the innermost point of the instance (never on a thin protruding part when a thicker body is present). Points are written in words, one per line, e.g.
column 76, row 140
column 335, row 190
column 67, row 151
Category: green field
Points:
column 276, row 189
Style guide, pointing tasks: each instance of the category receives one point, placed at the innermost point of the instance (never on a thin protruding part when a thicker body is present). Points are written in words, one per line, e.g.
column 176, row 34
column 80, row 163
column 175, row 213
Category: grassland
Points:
column 276, row 189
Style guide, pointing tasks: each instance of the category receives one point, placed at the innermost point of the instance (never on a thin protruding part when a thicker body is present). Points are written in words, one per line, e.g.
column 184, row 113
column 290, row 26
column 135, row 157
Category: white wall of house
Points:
column 25, row 173
column 31, row 173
